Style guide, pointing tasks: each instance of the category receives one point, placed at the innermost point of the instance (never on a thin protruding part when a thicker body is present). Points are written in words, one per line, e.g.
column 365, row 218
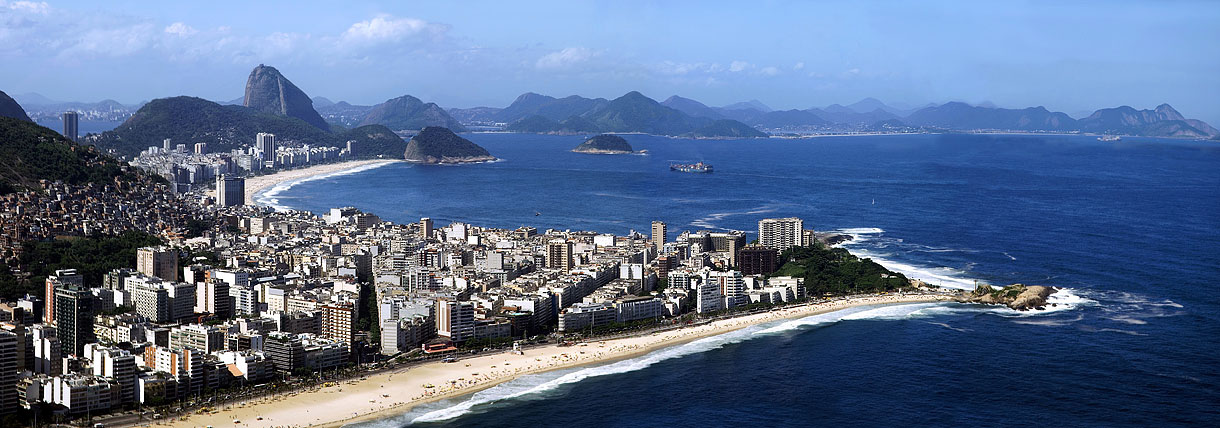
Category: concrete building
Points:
column 659, row 230
column 425, row 228
column 230, row 191
column 61, row 278
column 708, row 297
column 117, row 366
column 757, row 260
column 454, row 319
column 559, row 255
column 73, row 318
column 72, row 125
column 212, row 297
column 161, row 262
column 339, row 322
column 206, row 339
column 582, row 316
column 8, row 372
column 731, row 285
column 48, row 354
column 265, row 144
column 781, row 233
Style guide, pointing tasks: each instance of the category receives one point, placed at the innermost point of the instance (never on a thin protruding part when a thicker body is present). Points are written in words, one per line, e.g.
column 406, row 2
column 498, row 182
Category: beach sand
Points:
column 257, row 184
column 393, row 393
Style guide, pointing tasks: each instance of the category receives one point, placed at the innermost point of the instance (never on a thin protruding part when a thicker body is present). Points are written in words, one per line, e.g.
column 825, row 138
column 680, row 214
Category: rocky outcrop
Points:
column 10, row 108
column 1017, row 296
column 605, row 144
column 269, row 91
column 437, row 145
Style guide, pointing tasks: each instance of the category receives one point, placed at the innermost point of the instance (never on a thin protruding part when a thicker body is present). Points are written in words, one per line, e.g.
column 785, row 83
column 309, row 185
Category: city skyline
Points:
column 785, row 54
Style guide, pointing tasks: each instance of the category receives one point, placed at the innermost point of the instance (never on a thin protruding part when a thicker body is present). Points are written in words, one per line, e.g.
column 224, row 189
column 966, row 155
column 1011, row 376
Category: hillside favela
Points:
column 609, row 214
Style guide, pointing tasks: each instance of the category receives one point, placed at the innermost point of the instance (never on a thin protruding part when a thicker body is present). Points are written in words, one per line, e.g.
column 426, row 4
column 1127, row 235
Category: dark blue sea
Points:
column 1130, row 230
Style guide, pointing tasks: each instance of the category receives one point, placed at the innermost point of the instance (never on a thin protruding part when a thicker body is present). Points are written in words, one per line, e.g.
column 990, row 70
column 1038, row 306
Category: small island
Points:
column 439, row 145
column 605, row 144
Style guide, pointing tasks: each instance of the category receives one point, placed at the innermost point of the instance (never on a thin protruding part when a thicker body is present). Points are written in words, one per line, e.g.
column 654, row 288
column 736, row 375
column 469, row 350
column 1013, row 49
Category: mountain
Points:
column 373, row 140
column 605, row 144
column 957, row 115
column 531, row 104
column 31, row 153
column 788, row 119
column 634, row 112
column 533, row 125
column 319, row 102
column 748, row 105
column 269, row 91
column 726, row 128
column 844, row 115
column 188, row 120
column 409, row 113
column 475, row 114
column 10, row 108
column 437, row 145
column 691, row 107
column 35, row 99
column 1164, row 121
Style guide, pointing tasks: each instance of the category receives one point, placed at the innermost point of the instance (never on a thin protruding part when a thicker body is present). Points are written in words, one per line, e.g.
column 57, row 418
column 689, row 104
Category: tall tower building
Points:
column 73, row 318
column 201, row 148
column 658, row 235
column 780, row 233
column 61, row 278
column 167, row 145
column 230, row 191
column 160, row 262
column 454, row 320
column 265, row 143
column 8, row 372
column 71, row 125
column 559, row 254
column 338, row 322
column 425, row 228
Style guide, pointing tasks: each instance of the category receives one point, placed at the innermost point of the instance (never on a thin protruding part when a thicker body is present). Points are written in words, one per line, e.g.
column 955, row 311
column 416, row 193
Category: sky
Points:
column 1070, row 56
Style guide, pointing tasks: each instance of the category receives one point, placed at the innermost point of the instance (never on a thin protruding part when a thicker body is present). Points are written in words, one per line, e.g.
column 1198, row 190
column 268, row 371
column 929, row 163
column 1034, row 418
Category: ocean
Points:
column 1130, row 230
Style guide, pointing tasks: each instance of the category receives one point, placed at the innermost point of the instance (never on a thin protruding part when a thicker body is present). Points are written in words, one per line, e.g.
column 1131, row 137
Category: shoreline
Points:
column 380, row 396
column 259, row 184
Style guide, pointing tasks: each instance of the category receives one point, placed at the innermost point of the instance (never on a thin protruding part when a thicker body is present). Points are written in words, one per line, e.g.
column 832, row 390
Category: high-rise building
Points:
column 8, row 372
column 425, row 228
column 161, row 262
column 780, row 233
column 213, row 297
column 757, row 260
column 230, row 191
column 338, row 322
column 658, row 235
column 71, row 125
column 265, row 143
column 732, row 287
column 167, row 145
column 201, row 148
column 73, row 318
column 454, row 319
column 559, row 254
column 48, row 354
column 61, row 278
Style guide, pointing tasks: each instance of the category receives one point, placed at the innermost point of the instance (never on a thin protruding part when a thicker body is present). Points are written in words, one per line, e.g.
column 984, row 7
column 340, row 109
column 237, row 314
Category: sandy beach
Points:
column 257, row 184
column 395, row 392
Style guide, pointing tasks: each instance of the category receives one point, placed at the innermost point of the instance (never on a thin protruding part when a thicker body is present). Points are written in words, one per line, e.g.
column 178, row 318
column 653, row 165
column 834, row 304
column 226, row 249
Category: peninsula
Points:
column 605, row 144
column 437, row 145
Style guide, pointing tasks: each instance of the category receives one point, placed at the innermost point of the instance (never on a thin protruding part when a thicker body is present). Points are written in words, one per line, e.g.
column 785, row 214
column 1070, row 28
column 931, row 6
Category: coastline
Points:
column 259, row 184
column 380, row 396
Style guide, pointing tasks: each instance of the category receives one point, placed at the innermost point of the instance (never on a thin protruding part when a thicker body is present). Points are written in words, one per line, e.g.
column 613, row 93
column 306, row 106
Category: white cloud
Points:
column 768, row 71
column 565, row 59
column 388, row 29
column 739, row 66
column 798, row 66
column 180, row 29
column 41, row 8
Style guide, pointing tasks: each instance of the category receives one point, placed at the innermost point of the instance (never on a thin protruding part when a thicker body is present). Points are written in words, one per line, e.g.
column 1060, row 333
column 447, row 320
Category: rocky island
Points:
column 605, row 144
column 1017, row 296
column 438, row 145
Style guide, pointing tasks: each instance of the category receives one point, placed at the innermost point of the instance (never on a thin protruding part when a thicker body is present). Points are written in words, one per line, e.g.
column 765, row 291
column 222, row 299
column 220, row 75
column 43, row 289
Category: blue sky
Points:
column 1068, row 56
